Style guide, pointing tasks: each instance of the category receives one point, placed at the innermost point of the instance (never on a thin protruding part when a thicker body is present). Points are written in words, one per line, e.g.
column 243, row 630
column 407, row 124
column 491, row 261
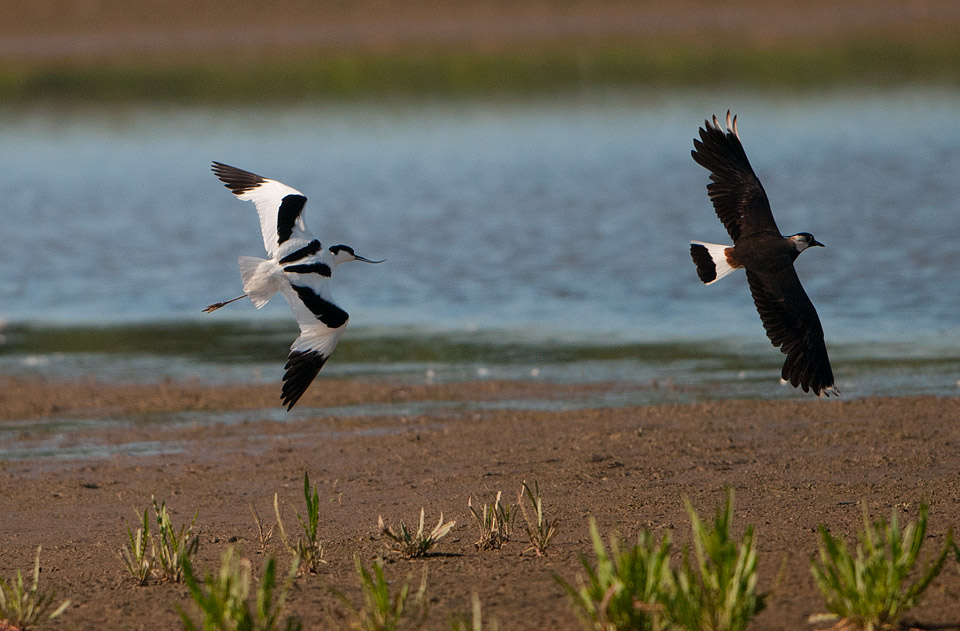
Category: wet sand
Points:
column 793, row 465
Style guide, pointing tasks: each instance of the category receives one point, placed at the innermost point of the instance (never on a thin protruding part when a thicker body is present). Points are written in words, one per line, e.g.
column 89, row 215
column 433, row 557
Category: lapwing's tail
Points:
column 260, row 281
column 711, row 260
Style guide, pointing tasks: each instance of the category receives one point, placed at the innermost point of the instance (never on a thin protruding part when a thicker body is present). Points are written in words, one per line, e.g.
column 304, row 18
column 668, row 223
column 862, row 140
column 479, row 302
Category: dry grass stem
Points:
column 415, row 544
column 540, row 530
column 493, row 522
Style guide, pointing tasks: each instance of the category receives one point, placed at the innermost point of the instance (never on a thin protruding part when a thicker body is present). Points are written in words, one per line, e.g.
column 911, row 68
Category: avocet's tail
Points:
column 711, row 261
column 261, row 279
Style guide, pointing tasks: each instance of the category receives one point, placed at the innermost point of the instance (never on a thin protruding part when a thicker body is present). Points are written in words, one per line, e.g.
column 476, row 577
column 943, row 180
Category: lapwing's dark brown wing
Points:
column 791, row 322
column 736, row 192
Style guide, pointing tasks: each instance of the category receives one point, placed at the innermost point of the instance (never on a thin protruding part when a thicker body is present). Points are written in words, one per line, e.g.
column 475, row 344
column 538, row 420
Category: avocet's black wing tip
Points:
column 237, row 180
column 302, row 368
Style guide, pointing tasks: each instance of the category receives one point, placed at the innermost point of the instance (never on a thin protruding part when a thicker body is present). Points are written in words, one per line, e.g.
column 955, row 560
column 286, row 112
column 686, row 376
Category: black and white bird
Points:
column 298, row 267
column 790, row 320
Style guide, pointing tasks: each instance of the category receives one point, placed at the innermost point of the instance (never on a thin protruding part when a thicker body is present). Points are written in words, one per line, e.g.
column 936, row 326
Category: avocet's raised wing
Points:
column 279, row 206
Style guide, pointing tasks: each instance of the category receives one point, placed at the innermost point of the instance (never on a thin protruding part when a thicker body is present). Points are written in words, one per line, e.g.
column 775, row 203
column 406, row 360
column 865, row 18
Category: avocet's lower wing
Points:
column 322, row 324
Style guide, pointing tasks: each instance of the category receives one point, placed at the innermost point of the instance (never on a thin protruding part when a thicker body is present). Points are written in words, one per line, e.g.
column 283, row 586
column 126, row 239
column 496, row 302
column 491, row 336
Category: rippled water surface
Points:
column 547, row 226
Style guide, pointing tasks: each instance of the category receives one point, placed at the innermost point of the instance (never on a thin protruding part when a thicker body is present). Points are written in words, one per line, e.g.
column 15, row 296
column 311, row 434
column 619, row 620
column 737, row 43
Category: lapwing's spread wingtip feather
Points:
column 830, row 391
column 737, row 195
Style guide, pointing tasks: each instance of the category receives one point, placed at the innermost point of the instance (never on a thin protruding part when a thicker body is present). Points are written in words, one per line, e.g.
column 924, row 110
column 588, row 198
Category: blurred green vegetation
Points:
column 862, row 61
column 268, row 340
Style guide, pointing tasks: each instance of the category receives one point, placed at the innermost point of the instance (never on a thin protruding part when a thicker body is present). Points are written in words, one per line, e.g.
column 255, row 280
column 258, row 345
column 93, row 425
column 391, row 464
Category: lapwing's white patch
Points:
column 718, row 265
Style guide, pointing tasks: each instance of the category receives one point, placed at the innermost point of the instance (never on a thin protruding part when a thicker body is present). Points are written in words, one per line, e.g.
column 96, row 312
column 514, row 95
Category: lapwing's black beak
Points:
column 360, row 258
column 815, row 242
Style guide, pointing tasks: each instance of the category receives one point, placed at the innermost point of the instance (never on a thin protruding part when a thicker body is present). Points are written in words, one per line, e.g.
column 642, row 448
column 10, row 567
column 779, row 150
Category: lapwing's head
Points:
column 345, row 254
column 804, row 240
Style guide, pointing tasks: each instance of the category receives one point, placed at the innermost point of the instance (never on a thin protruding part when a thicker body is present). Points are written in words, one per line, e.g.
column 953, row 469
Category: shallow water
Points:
column 517, row 235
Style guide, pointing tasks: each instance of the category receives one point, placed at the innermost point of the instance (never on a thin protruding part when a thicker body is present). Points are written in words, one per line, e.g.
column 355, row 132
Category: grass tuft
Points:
column 168, row 548
column 493, row 521
column 870, row 589
column 412, row 544
column 223, row 599
column 540, row 530
column 385, row 609
column 627, row 588
column 309, row 548
column 718, row 593
column 136, row 558
column 23, row 606
column 475, row 621
column 264, row 534
column 174, row 548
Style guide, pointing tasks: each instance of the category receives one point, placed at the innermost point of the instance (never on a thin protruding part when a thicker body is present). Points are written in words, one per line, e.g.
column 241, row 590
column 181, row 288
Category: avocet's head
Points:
column 804, row 240
column 345, row 254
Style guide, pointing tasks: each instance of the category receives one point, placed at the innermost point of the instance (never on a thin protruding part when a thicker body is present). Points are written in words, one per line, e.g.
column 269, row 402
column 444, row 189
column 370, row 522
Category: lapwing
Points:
column 298, row 267
column 790, row 319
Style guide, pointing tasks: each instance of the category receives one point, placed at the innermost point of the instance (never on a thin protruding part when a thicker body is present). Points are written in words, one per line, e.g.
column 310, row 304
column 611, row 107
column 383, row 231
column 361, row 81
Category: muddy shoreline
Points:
column 793, row 465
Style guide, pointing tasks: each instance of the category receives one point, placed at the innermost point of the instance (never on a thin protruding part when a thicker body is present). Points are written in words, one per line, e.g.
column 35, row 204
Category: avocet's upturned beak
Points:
column 815, row 242
column 360, row 258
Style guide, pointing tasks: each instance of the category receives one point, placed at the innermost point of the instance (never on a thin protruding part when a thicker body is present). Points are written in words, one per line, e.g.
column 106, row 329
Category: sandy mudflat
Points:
column 793, row 465
column 88, row 32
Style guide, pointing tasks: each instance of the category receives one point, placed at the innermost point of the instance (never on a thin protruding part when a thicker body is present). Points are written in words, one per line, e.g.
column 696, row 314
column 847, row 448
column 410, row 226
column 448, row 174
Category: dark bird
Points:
column 298, row 267
column 788, row 316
